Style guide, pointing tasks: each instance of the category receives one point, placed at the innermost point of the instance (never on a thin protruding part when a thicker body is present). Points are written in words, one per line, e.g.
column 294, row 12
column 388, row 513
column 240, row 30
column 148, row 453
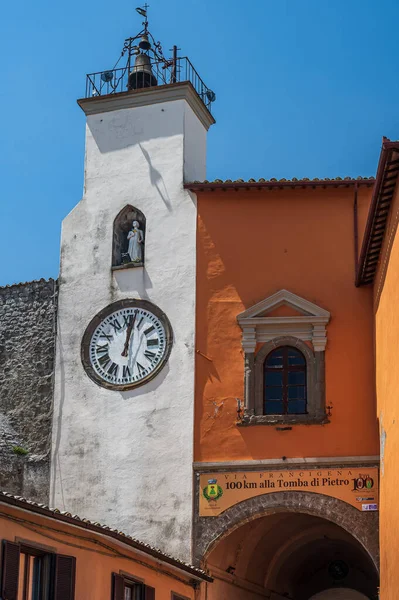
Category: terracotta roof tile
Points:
column 66, row 516
column 273, row 182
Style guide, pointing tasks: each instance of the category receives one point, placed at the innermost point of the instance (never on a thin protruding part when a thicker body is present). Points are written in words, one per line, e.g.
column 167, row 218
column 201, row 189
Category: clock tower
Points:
column 122, row 445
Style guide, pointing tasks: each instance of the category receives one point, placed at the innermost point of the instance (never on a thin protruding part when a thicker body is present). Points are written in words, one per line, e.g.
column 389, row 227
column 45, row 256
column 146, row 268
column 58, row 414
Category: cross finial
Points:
column 143, row 12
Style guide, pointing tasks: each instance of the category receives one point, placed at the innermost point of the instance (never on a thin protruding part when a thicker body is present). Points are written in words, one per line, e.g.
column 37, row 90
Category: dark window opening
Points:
column 34, row 575
column 285, row 382
column 132, row 591
column 30, row 573
column 126, row 588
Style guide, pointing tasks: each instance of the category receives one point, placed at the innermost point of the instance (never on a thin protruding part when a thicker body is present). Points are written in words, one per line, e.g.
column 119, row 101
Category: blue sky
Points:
column 305, row 88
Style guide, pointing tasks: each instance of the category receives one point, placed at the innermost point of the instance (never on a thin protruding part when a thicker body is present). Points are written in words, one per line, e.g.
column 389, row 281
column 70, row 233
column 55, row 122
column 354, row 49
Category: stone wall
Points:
column 27, row 337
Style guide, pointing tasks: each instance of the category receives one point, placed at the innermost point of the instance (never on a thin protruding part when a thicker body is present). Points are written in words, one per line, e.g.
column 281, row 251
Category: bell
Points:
column 144, row 43
column 141, row 75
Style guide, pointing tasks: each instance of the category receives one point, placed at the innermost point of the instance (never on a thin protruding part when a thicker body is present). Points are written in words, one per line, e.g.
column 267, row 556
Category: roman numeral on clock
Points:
column 140, row 368
column 149, row 330
column 104, row 360
column 102, row 349
column 150, row 355
column 153, row 342
column 127, row 319
column 107, row 336
column 126, row 372
column 113, row 370
column 116, row 325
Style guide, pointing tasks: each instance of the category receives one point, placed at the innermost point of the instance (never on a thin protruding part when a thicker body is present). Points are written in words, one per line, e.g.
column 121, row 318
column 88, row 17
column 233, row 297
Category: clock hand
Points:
column 128, row 335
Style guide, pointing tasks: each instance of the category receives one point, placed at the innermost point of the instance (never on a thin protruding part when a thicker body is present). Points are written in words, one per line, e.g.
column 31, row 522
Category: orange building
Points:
column 285, row 425
column 378, row 269
column 49, row 555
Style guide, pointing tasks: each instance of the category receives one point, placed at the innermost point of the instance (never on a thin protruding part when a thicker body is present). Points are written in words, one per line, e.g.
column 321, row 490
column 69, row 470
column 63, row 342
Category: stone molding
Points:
column 208, row 531
column 254, row 382
column 148, row 96
column 311, row 326
column 274, row 332
column 333, row 461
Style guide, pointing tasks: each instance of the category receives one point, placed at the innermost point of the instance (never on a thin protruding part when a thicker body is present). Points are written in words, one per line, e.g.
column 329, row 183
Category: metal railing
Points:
column 165, row 72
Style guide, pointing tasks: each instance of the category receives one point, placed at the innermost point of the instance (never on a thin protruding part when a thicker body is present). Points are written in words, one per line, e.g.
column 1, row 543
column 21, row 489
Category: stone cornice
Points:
column 284, row 297
column 146, row 97
column 309, row 325
column 276, row 463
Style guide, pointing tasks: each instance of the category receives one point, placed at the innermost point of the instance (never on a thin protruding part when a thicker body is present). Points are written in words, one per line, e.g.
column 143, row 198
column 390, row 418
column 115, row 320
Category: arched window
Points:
column 285, row 382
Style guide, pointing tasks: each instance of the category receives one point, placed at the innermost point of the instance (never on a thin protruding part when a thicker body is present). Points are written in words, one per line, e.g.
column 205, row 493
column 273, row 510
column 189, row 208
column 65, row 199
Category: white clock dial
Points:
column 126, row 344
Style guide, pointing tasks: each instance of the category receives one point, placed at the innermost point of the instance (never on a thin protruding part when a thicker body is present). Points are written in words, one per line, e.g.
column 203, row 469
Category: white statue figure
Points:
column 136, row 238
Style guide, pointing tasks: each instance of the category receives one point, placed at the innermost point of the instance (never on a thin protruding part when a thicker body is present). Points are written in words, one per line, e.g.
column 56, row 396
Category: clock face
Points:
column 126, row 344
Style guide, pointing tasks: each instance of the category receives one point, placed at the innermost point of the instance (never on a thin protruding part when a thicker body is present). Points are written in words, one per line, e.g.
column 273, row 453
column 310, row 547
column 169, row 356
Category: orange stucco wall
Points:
column 97, row 557
column 251, row 244
column 387, row 383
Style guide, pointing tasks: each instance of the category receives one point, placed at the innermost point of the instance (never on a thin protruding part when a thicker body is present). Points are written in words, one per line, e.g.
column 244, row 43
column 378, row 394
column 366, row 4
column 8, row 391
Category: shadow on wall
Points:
column 149, row 387
column 135, row 280
column 116, row 132
column 123, row 132
column 124, row 128
column 249, row 245
column 56, row 467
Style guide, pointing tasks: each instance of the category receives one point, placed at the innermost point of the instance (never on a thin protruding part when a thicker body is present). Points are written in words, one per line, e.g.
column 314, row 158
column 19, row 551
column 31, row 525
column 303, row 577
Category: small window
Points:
column 30, row 573
column 126, row 588
column 132, row 591
column 285, row 382
column 34, row 575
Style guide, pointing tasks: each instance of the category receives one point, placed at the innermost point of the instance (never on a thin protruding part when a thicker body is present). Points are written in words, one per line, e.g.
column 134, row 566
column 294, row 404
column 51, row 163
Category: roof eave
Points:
column 211, row 186
column 33, row 507
column 384, row 189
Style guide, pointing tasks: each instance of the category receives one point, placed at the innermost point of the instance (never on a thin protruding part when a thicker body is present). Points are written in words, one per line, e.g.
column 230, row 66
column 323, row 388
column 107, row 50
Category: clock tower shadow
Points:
column 134, row 280
column 149, row 387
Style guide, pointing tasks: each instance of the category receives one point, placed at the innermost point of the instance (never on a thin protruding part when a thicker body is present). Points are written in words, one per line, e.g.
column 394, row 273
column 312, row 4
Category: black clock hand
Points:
column 129, row 331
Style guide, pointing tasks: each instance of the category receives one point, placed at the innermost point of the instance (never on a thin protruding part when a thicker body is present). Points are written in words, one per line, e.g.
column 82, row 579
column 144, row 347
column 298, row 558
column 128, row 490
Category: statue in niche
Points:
column 129, row 236
column 135, row 238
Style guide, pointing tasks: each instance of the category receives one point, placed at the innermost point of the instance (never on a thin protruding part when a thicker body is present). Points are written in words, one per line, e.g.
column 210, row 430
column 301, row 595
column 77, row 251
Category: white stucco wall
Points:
column 125, row 458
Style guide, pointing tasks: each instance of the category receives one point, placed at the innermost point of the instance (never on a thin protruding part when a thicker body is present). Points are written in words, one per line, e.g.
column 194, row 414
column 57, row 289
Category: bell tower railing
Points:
column 175, row 70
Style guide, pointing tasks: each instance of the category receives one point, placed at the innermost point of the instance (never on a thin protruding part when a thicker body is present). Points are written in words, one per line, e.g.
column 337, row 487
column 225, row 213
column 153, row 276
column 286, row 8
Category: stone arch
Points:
column 339, row 594
column 121, row 227
column 363, row 527
column 278, row 342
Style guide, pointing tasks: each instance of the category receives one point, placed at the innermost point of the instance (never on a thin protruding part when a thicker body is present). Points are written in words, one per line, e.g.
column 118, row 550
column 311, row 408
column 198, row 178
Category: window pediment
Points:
column 305, row 320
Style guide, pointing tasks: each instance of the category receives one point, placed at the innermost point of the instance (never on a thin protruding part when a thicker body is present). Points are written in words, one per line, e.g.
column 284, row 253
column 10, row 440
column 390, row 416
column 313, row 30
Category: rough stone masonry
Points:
column 27, row 343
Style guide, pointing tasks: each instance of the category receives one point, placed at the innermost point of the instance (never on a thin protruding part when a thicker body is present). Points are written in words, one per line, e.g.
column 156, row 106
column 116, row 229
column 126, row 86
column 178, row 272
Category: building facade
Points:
column 207, row 363
column 51, row 555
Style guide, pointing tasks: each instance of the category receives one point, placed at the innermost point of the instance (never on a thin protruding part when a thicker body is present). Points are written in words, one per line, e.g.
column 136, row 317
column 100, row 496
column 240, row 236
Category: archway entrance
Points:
column 291, row 556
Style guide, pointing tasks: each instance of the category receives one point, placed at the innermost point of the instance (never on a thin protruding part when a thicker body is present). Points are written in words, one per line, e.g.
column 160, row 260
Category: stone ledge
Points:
column 147, row 96
column 287, row 420
column 130, row 265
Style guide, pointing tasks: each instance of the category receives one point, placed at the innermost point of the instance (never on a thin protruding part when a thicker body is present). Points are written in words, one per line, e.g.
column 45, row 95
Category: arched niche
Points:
column 122, row 230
